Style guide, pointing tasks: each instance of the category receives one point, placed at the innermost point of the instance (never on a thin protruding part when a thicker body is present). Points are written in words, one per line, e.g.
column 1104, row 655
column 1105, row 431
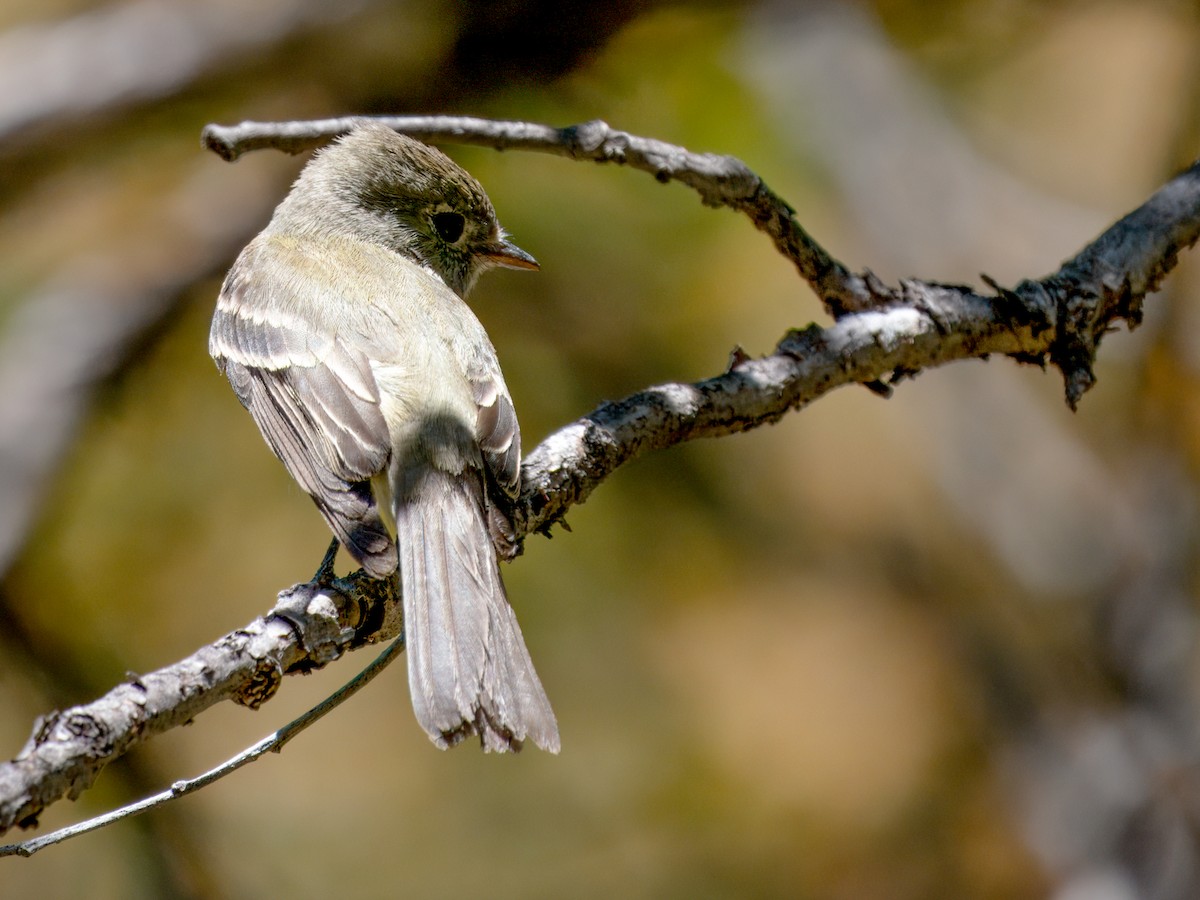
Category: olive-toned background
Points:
column 939, row 645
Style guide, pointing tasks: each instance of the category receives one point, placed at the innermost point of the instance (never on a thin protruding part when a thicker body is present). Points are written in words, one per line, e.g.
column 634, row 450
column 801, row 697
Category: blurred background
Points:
column 943, row 645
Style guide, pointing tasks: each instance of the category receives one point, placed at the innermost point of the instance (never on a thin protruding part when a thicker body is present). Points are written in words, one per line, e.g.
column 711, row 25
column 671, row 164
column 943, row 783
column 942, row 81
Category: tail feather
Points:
column 468, row 668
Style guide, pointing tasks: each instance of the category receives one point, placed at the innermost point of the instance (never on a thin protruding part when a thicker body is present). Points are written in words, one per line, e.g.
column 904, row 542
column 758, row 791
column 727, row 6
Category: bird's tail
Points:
column 468, row 668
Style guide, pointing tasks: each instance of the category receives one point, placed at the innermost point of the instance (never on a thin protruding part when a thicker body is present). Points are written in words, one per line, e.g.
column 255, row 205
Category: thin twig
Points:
column 273, row 743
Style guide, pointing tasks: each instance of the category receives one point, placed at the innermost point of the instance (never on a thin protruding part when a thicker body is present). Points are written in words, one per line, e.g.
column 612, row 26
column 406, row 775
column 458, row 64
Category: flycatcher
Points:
column 343, row 330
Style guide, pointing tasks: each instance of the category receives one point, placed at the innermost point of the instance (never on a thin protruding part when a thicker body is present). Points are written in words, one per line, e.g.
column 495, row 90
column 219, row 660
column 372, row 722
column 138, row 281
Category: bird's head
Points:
column 384, row 187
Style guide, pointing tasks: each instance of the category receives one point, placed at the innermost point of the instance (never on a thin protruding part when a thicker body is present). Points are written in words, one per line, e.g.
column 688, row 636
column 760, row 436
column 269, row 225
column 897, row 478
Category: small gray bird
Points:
column 343, row 331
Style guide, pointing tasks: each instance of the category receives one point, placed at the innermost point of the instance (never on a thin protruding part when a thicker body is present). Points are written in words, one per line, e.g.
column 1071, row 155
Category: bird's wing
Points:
column 316, row 402
column 496, row 427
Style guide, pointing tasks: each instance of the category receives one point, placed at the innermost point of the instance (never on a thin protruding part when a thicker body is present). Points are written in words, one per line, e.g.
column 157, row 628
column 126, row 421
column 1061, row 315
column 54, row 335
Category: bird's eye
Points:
column 449, row 226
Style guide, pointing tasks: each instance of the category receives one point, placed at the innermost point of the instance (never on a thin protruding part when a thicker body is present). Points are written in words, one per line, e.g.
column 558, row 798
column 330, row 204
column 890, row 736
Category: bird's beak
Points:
column 509, row 255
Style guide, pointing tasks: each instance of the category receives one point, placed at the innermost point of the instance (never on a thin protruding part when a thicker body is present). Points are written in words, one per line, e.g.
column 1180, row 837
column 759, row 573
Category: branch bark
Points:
column 881, row 334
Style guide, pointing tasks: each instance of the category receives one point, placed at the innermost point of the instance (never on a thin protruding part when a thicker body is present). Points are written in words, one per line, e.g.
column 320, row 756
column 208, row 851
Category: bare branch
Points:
column 882, row 334
column 936, row 325
column 1105, row 281
column 273, row 743
column 311, row 625
column 1109, row 278
column 719, row 180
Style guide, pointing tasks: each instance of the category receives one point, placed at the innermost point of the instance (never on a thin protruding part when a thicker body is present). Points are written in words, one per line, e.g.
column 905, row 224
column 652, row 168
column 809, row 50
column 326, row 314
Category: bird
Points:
column 343, row 329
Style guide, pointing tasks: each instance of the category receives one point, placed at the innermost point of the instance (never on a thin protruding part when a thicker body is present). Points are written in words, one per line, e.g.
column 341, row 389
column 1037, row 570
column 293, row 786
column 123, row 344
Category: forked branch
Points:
column 880, row 334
